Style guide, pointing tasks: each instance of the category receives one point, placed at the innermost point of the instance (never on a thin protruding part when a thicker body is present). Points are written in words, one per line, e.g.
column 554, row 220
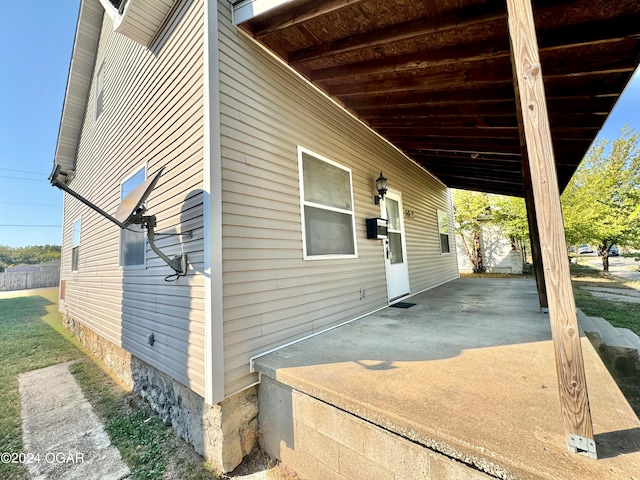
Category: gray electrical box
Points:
column 376, row 228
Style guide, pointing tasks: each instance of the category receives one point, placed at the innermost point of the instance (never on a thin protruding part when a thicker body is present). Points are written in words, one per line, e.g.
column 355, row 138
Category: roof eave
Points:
column 78, row 83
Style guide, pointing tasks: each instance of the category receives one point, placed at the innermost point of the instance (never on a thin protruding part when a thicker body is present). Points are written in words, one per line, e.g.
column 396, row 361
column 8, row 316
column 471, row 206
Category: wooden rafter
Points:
column 578, row 36
column 492, row 11
column 436, row 76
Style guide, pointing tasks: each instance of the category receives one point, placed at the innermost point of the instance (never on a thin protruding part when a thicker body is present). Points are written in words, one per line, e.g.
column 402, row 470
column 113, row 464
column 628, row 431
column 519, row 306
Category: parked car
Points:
column 582, row 249
column 613, row 251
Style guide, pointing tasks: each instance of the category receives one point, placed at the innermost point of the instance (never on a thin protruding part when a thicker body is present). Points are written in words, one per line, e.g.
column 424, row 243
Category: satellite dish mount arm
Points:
column 130, row 211
column 178, row 263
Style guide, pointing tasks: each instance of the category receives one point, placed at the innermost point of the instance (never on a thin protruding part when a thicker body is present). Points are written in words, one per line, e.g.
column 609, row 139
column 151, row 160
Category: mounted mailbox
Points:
column 377, row 228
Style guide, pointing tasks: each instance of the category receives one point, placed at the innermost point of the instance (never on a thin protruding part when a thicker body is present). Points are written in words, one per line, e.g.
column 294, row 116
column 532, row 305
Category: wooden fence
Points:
column 47, row 277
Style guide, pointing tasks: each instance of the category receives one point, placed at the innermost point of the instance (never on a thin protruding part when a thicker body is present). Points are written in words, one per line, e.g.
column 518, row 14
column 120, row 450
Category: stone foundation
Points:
column 223, row 433
column 114, row 358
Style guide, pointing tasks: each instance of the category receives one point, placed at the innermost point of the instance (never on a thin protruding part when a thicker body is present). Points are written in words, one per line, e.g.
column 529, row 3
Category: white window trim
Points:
column 74, row 245
column 302, row 150
column 445, row 215
column 143, row 265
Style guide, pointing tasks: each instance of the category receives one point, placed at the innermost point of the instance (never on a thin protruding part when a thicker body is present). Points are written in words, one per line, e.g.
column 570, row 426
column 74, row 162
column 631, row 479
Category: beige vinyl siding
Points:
column 153, row 116
column 271, row 295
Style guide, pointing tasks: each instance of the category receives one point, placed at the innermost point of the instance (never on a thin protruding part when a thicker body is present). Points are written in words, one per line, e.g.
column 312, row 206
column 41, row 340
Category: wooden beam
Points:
column 486, row 73
column 481, row 185
column 496, row 107
column 452, row 144
column 491, row 11
column 534, row 235
column 486, row 121
column 464, row 132
column 596, row 106
column 574, row 398
column 609, row 31
column 481, row 132
column 480, row 51
column 591, row 85
column 478, row 75
column 460, row 121
column 485, row 93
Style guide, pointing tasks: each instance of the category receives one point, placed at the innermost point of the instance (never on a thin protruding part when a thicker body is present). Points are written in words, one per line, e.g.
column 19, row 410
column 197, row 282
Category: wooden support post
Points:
column 534, row 235
column 574, row 399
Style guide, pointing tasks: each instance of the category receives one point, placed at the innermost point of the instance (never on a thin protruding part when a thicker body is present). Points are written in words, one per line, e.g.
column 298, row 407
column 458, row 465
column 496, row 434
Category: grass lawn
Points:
column 32, row 336
column 28, row 341
column 619, row 314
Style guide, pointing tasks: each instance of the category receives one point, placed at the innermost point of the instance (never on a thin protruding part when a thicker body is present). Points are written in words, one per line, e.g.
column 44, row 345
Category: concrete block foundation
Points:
column 321, row 442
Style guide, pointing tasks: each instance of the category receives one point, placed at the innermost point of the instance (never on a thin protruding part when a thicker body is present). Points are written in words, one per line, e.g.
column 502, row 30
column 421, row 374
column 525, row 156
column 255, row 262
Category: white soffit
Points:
column 140, row 20
column 248, row 9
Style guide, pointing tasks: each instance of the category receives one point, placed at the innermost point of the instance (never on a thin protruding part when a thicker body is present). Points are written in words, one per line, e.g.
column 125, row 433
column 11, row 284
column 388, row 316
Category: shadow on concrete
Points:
column 621, row 442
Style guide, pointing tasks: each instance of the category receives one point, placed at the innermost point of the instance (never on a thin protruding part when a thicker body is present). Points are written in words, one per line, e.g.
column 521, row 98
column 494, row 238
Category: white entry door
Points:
column 395, row 247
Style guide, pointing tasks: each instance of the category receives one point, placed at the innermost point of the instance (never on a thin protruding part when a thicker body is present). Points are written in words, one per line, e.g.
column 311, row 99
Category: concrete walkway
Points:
column 63, row 437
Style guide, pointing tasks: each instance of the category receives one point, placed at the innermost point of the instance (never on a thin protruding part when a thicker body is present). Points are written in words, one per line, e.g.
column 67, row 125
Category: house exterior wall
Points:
column 152, row 115
column 271, row 295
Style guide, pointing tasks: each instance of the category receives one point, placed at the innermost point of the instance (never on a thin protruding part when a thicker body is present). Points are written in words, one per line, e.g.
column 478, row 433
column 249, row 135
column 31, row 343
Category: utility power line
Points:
column 21, row 171
column 19, row 204
column 28, row 179
column 38, row 226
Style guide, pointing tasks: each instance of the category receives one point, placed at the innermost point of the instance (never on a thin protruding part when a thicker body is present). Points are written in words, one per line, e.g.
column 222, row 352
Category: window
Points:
column 132, row 239
column 327, row 208
column 443, row 229
column 75, row 245
column 99, row 90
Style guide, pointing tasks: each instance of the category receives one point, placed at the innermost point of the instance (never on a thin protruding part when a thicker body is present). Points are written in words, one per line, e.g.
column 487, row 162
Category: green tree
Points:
column 601, row 204
column 510, row 214
column 32, row 255
column 468, row 208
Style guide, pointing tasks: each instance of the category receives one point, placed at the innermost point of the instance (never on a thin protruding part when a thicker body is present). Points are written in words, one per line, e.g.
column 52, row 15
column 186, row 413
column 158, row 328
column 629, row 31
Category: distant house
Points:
column 499, row 254
column 268, row 187
column 39, row 267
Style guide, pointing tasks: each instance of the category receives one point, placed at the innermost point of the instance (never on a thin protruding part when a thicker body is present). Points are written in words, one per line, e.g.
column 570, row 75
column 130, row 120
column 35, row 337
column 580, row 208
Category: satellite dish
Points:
column 132, row 207
column 130, row 211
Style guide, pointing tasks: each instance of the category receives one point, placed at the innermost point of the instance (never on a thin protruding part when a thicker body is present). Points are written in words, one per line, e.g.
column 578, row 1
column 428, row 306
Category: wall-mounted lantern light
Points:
column 381, row 186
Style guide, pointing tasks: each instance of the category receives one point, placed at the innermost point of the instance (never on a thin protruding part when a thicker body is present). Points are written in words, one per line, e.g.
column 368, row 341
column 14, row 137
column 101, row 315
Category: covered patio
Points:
column 498, row 96
column 467, row 374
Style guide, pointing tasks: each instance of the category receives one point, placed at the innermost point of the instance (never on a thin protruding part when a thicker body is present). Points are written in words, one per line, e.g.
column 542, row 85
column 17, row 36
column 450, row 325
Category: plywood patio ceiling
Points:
column 435, row 77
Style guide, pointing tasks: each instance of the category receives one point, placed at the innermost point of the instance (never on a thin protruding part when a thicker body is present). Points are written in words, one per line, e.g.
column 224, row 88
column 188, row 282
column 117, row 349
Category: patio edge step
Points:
column 631, row 337
column 616, row 348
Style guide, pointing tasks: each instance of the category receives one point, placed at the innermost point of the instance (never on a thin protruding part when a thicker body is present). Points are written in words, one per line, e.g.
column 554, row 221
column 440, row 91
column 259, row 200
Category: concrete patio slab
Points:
column 469, row 372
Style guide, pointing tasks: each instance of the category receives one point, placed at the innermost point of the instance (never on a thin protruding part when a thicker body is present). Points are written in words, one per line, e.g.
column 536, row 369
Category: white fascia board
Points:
column 249, row 9
column 81, row 65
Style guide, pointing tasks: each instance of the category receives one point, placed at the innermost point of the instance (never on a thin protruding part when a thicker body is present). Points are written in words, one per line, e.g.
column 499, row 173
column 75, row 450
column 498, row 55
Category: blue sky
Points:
column 36, row 50
column 36, row 38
